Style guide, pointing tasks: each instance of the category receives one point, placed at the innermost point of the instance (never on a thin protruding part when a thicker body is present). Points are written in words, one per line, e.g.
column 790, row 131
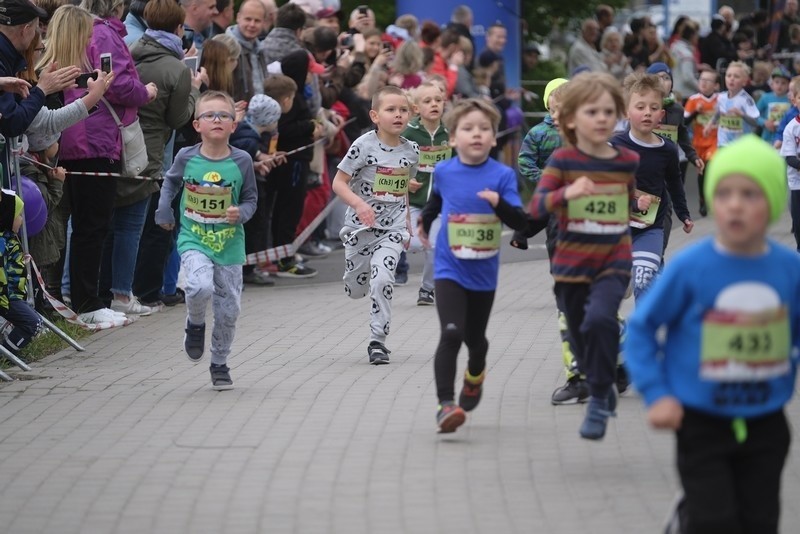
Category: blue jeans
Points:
column 121, row 247
column 648, row 246
column 171, row 272
column 26, row 321
column 65, row 272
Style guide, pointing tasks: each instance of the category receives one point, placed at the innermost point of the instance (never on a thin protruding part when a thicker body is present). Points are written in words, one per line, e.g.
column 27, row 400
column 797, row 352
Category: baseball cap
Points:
column 326, row 13
column 18, row 12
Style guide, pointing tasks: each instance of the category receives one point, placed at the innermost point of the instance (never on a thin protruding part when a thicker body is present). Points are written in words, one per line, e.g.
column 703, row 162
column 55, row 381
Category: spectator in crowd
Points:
column 49, row 7
column 447, row 56
column 95, row 145
column 656, row 48
column 583, row 51
column 618, row 64
column 716, row 46
column 407, row 66
column 465, row 83
column 684, row 75
column 269, row 21
column 19, row 104
column 461, row 21
column 604, row 15
column 729, row 16
column 220, row 58
column 757, row 24
column 359, row 22
column 223, row 18
column 285, row 36
column 199, row 14
column 329, row 18
column 252, row 67
column 789, row 18
column 634, row 46
column 409, row 23
column 134, row 23
column 158, row 56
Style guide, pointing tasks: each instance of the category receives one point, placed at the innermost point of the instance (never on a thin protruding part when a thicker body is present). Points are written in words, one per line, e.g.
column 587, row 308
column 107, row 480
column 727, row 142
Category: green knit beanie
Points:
column 550, row 87
column 752, row 157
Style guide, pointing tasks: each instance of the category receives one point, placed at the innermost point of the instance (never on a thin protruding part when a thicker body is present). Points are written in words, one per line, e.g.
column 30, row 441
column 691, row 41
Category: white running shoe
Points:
column 103, row 315
column 132, row 307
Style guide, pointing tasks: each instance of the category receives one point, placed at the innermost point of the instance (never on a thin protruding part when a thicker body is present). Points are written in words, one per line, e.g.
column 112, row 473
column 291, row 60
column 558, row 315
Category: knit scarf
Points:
column 168, row 40
column 668, row 101
column 250, row 51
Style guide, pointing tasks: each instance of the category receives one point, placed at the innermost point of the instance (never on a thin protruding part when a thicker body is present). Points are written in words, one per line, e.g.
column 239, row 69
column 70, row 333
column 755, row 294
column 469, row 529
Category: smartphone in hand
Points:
column 83, row 79
column 191, row 62
column 105, row 62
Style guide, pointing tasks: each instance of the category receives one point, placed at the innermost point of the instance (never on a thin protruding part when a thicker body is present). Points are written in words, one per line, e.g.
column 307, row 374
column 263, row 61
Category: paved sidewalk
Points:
column 129, row 437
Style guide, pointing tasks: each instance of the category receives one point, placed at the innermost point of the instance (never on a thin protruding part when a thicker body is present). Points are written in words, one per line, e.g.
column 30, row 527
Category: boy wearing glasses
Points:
column 219, row 196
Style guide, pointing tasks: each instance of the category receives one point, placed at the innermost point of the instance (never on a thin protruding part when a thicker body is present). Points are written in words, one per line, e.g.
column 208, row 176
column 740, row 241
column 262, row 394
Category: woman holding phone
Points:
column 95, row 145
column 159, row 59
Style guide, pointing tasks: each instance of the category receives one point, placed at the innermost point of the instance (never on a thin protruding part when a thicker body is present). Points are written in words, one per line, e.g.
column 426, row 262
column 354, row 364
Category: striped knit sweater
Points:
column 586, row 249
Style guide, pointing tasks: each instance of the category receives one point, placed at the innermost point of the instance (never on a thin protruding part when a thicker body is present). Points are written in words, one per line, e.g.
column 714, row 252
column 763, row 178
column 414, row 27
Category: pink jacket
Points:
column 98, row 136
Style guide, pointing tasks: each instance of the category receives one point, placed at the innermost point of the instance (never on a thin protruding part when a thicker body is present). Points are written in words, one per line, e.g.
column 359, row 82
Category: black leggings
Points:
column 463, row 315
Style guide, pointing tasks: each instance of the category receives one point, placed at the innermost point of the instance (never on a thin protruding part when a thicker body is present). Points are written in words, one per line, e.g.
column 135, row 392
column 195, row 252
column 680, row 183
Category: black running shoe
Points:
column 623, row 380
column 574, row 391
column 378, row 353
column 221, row 378
column 471, row 392
column 194, row 341
column 425, row 297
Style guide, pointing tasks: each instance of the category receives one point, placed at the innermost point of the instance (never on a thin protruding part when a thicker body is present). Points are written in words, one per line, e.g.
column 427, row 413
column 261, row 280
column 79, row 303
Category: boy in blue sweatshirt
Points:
column 727, row 365
column 794, row 88
column 773, row 105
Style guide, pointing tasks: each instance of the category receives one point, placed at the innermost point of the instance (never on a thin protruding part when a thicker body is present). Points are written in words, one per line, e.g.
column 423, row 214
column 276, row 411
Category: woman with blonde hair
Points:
column 95, row 145
column 220, row 57
column 407, row 65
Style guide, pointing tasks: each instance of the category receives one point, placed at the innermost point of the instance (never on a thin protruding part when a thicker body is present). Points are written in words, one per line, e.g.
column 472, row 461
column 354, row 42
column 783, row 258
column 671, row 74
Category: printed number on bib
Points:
column 205, row 204
column 731, row 122
column 670, row 131
column 390, row 184
column 703, row 119
column 474, row 236
column 742, row 346
column 646, row 218
column 604, row 212
column 429, row 156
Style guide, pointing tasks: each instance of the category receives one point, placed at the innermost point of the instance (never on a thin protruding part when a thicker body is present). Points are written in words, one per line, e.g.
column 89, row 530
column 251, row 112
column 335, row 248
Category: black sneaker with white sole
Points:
column 378, row 353
column 220, row 378
column 194, row 341
column 574, row 391
column 425, row 297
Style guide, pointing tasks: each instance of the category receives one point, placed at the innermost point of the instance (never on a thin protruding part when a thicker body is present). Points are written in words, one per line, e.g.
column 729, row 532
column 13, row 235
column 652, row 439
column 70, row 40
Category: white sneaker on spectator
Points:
column 103, row 315
column 132, row 307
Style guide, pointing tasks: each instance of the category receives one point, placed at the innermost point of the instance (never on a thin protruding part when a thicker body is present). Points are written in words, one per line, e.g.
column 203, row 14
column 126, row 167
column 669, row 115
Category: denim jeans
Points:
column 26, row 324
column 121, row 248
column 171, row 273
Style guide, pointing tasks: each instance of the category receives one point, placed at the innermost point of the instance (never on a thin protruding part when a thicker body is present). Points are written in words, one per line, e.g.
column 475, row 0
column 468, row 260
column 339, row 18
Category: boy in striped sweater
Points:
column 590, row 186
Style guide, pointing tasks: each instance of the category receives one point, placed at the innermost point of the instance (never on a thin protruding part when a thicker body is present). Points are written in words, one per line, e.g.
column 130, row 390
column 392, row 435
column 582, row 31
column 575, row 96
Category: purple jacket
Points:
column 126, row 94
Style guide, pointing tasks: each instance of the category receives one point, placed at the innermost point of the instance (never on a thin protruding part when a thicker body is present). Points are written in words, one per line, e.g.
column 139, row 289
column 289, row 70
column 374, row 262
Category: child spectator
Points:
column 737, row 113
column 219, row 195
column 253, row 135
column 373, row 181
column 760, row 81
column 773, row 105
column 711, row 346
column 657, row 174
column 790, row 149
column 700, row 108
column 46, row 246
column 473, row 194
column 286, row 187
column 589, row 185
column 429, row 133
column 14, row 308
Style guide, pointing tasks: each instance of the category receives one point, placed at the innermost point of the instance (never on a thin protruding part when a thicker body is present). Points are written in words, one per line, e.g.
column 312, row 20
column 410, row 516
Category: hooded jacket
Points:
column 278, row 44
column 296, row 127
column 172, row 108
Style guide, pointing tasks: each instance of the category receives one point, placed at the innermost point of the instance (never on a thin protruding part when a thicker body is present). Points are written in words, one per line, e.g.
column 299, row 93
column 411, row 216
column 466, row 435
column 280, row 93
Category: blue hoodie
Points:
column 702, row 298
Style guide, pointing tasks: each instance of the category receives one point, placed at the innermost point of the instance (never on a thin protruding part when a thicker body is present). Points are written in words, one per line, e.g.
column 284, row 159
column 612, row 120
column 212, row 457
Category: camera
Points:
column 347, row 41
column 83, row 79
column 187, row 41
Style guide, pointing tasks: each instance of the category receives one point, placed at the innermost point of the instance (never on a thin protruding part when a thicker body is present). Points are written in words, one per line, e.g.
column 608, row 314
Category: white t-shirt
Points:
column 791, row 147
column 732, row 128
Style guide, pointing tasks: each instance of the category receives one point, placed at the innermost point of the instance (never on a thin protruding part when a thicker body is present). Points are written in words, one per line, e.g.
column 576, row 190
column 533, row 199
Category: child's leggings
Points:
column 204, row 280
column 591, row 311
column 463, row 315
column 795, row 211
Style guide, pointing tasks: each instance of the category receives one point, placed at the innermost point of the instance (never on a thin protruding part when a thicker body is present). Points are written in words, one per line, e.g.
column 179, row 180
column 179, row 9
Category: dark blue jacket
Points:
column 17, row 114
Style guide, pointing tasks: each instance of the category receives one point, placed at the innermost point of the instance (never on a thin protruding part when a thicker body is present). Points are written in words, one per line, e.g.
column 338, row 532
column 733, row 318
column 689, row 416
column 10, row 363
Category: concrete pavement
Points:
column 129, row 436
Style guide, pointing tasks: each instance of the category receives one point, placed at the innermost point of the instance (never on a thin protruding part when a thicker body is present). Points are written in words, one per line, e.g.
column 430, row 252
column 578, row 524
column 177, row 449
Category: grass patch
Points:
column 48, row 343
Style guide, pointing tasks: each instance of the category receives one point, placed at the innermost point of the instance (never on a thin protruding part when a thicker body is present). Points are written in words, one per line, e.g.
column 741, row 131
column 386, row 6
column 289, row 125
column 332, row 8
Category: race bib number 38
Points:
column 206, row 204
column 474, row 236
column 390, row 184
column 741, row 346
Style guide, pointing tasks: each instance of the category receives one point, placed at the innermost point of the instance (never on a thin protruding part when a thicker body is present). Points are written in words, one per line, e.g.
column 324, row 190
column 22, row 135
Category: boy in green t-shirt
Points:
column 429, row 132
column 219, row 196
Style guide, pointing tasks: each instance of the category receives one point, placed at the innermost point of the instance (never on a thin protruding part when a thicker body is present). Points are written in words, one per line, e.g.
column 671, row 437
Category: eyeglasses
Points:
column 211, row 116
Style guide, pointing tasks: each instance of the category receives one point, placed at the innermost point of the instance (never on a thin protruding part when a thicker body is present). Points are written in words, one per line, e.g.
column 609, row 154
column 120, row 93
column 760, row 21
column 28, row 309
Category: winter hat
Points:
column 658, row 67
column 38, row 142
column 756, row 159
column 263, row 110
column 781, row 72
column 551, row 86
